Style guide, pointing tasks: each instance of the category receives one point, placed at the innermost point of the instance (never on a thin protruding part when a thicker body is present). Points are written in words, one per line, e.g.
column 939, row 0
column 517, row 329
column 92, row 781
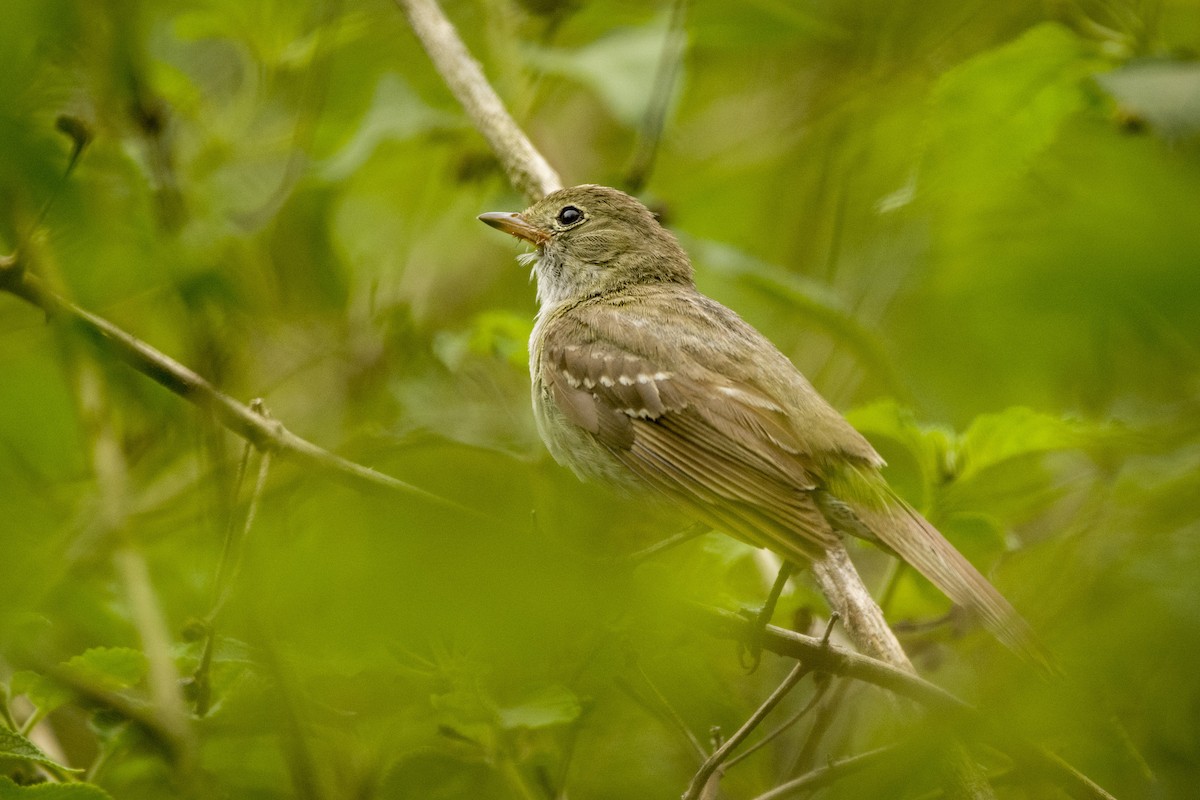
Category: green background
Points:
column 975, row 226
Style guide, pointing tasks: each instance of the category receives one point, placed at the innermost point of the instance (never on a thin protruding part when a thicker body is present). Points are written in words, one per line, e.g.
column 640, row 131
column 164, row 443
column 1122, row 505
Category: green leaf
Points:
column 14, row 745
column 619, row 68
column 52, row 791
column 110, row 667
column 1014, row 433
column 994, row 113
column 437, row 776
column 43, row 692
column 397, row 113
column 553, row 705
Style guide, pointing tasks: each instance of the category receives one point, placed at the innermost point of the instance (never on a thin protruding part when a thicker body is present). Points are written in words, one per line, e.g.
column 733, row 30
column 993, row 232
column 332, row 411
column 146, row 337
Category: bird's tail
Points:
column 884, row 517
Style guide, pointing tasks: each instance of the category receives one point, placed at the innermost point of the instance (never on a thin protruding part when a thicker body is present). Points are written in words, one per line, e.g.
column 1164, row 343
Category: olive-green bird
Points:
column 638, row 378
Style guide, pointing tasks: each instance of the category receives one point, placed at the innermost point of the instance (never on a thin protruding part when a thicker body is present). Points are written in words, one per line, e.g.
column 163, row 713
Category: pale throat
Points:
column 556, row 283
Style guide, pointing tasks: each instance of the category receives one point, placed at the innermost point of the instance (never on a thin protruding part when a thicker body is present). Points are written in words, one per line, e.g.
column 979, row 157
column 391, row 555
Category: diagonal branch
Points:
column 264, row 433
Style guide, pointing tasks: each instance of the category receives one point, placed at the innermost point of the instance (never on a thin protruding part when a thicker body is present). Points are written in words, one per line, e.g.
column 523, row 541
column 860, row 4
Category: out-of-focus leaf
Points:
column 110, row 667
column 43, row 692
column 552, row 705
column 619, row 68
column 437, row 776
column 52, row 791
column 998, row 110
column 397, row 113
column 1165, row 94
column 1013, row 433
column 493, row 333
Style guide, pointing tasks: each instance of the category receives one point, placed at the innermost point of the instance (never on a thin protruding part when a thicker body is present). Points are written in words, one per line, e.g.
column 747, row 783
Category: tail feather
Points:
column 889, row 520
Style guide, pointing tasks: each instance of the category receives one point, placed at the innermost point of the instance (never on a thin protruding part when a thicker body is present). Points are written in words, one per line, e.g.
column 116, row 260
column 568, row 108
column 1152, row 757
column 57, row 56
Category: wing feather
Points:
column 726, row 455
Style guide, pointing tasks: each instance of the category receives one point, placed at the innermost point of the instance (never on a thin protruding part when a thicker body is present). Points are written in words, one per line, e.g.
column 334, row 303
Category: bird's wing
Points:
column 715, row 442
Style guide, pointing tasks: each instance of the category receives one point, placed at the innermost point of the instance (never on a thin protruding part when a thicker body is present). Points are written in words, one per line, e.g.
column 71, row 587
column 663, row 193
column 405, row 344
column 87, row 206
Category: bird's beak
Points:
column 514, row 223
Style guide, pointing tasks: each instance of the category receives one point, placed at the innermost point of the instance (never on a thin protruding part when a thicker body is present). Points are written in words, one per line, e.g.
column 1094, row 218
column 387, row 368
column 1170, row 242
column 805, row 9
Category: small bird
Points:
column 641, row 380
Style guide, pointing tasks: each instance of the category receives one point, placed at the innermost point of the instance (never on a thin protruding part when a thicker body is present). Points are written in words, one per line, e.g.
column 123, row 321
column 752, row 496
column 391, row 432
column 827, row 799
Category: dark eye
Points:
column 569, row 215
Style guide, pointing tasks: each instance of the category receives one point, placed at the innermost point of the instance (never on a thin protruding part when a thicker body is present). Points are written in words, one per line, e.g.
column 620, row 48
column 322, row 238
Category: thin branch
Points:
column 818, row 695
column 685, row 535
column 672, row 714
column 843, row 587
column 709, row 768
column 265, row 434
column 110, row 472
column 228, row 566
column 829, row 774
column 821, row 725
column 527, row 170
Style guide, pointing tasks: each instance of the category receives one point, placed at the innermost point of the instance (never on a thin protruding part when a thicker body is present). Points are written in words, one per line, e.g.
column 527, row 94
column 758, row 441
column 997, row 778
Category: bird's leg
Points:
column 752, row 652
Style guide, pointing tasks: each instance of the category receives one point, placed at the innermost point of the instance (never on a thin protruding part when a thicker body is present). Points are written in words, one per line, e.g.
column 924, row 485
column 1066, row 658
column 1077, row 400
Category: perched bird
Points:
column 640, row 379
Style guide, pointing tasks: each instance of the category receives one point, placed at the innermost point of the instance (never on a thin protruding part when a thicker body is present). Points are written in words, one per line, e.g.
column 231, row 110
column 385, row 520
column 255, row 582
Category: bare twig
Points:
column 709, row 768
column 842, row 586
column 831, row 773
column 685, row 535
column 822, row 722
column 227, row 567
column 672, row 714
column 775, row 733
column 266, row 434
column 528, row 171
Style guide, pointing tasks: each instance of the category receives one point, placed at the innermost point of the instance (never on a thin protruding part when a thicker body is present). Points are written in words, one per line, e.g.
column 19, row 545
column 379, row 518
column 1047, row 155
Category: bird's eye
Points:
column 569, row 215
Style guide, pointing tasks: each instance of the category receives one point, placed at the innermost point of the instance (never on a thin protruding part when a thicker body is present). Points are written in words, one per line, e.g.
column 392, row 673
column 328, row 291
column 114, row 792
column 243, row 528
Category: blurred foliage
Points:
column 975, row 223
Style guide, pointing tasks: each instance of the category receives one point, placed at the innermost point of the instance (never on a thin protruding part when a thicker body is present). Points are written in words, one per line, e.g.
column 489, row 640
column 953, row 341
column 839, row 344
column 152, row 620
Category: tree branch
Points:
column 700, row 781
column 526, row 168
column 831, row 658
column 830, row 773
column 264, row 433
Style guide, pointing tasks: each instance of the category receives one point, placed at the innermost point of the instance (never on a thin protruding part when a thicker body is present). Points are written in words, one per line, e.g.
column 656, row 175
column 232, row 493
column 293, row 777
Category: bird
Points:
column 641, row 381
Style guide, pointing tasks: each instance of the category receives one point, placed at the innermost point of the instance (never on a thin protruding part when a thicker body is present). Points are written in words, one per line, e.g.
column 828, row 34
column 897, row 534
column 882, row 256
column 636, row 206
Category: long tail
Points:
column 887, row 519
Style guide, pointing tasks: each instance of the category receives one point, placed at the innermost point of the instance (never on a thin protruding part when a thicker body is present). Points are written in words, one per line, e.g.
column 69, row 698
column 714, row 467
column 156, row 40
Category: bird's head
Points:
column 592, row 240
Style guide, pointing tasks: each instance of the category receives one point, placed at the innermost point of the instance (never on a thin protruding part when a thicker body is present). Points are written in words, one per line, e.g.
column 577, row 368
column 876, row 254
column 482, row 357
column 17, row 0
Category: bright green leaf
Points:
column 51, row 791
column 993, row 113
column 1013, row 433
column 619, row 68
column 110, row 667
column 43, row 692
column 14, row 745
column 553, row 705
